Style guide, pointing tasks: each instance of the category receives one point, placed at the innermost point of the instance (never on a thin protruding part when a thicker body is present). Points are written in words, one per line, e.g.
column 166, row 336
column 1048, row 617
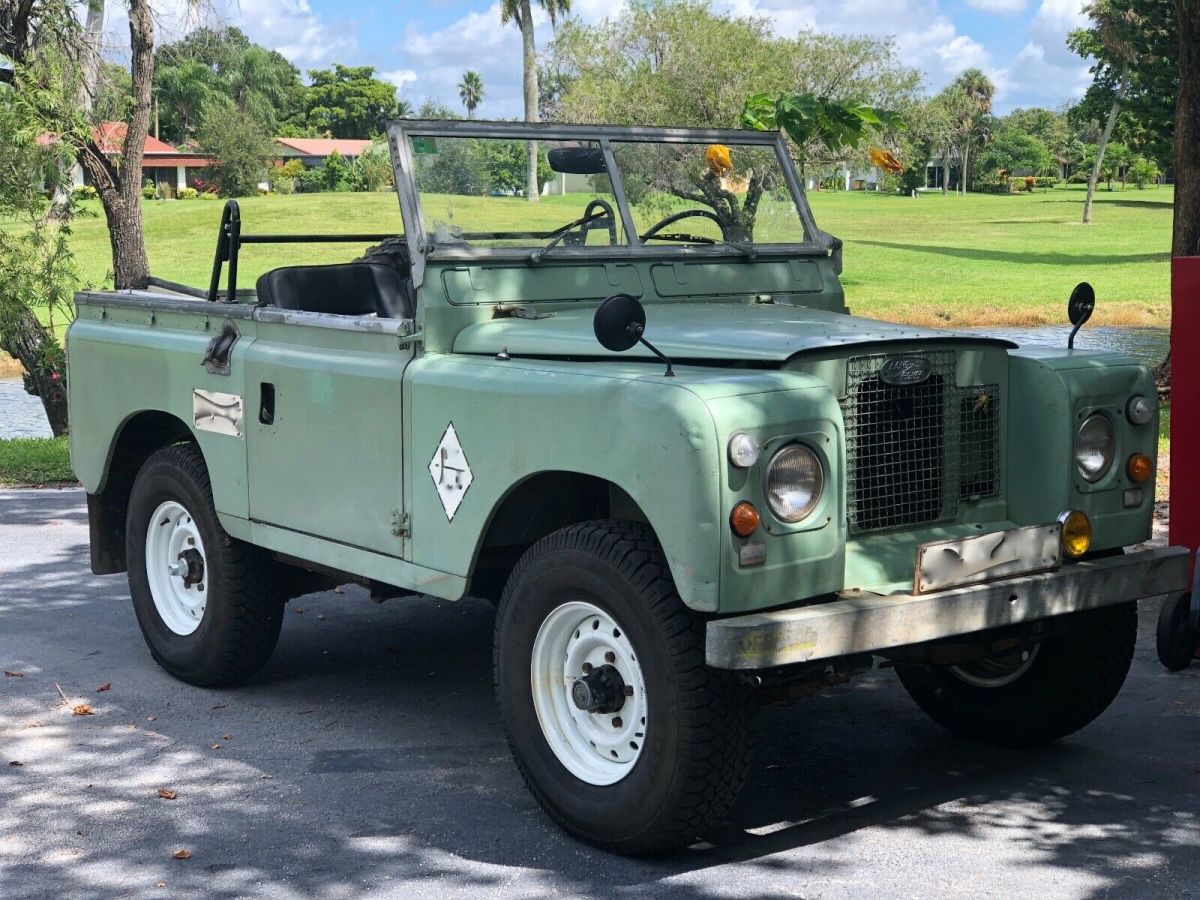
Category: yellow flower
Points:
column 886, row 160
column 718, row 158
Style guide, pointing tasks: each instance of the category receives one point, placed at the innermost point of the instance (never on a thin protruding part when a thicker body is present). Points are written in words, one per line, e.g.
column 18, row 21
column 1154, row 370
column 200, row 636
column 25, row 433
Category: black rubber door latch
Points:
column 220, row 348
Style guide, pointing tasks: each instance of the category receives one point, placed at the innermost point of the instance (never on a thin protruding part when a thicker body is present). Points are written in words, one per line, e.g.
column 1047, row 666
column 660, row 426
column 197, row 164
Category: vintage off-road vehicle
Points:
column 639, row 417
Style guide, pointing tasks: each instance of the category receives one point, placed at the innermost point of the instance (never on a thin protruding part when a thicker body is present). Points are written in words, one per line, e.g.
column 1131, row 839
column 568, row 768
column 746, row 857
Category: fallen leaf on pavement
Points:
column 16, row 762
column 220, row 706
column 304, row 712
column 82, row 709
column 227, row 737
column 214, row 746
column 321, row 616
column 167, row 795
column 182, row 854
column 107, row 686
column 8, row 674
column 339, row 590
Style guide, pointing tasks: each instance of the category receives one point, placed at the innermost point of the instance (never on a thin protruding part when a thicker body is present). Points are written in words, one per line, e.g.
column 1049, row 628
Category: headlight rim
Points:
column 818, row 493
column 1109, row 457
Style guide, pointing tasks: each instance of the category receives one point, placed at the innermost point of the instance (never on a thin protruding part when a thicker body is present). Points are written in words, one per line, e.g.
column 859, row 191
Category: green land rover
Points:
column 638, row 416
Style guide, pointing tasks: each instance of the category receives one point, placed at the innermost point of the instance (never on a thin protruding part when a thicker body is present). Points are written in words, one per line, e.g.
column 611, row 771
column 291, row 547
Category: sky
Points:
column 423, row 48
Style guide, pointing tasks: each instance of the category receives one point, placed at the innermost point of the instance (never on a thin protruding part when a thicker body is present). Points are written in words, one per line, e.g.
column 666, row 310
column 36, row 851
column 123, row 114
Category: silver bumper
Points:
column 859, row 622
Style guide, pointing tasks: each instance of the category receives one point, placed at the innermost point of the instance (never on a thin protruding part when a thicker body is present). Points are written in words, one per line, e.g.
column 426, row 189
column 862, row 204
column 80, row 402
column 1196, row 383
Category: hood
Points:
column 766, row 333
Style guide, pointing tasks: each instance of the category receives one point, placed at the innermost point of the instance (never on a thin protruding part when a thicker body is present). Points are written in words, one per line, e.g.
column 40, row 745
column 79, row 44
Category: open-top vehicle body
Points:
column 639, row 416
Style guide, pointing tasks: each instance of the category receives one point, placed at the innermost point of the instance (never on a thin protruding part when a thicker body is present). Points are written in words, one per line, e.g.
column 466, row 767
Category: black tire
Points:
column 244, row 610
column 698, row 735
column 1071, row 679
column 1176, row 639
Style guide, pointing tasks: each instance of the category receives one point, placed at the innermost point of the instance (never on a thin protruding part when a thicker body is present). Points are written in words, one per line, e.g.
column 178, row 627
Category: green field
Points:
column 25, row 461
column 950, row 260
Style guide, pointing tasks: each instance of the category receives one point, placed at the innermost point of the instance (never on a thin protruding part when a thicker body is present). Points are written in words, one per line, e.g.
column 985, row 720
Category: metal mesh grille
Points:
column 913, row 451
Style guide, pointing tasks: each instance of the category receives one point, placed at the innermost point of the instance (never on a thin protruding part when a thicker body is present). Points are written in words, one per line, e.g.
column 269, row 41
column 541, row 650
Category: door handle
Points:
column 266, row 403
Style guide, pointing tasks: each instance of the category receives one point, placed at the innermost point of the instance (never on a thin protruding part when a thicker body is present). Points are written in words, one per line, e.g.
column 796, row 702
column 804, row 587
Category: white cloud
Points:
column 1000, row 7
column 399, row 78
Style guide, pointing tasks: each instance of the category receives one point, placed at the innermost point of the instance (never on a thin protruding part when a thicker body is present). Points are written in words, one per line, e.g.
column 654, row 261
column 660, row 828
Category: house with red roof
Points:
column 314, row 151
column 164, row 166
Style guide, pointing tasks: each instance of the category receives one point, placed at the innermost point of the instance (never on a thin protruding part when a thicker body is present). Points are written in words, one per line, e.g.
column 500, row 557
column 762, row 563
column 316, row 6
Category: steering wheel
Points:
column 672, row 219
column 597, row 214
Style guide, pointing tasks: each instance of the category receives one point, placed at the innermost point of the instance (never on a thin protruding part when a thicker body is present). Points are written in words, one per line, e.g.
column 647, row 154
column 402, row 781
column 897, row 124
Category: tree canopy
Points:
column 348, row 101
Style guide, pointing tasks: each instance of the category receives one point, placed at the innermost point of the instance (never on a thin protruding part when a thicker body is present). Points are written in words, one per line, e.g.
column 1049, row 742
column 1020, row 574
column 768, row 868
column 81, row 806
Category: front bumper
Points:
column 861, row 622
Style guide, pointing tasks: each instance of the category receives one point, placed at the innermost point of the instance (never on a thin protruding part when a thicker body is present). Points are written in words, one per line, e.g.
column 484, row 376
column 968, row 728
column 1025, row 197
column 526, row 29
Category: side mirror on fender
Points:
column 619, row 324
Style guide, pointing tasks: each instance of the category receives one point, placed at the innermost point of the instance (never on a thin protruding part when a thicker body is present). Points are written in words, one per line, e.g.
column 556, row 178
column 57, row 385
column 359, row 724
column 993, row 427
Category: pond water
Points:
column 21, row 415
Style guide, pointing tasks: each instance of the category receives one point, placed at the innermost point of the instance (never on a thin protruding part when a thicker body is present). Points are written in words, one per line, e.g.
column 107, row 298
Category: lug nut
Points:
column 610, row 657
column 629, row 690
column 616, row 721
column 587, row 668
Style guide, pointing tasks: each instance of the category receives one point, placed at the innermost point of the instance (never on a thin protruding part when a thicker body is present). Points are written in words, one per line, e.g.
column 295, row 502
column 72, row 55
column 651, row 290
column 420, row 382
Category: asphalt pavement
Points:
column 367, row 760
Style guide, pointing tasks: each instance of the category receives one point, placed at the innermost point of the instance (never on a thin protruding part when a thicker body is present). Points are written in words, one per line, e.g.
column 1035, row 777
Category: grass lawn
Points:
column 35, row 461
column 949, row 260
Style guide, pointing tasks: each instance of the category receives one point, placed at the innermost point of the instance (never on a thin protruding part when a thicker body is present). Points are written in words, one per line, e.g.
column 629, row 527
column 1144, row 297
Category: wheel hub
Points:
column 175, row 567
column 589, row 692
column 600, row 691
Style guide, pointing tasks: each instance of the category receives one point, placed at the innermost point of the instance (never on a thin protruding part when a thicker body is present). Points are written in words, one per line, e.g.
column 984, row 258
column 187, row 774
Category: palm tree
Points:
column 404, row 109
column 470, row 91
column 521, row 12
column 978, row 91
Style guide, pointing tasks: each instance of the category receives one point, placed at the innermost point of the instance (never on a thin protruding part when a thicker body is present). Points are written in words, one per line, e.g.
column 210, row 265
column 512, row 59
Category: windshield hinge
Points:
column 400, row 526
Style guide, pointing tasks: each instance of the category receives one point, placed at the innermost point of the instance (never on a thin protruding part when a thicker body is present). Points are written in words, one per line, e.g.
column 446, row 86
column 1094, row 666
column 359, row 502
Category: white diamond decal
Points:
column 450, row 471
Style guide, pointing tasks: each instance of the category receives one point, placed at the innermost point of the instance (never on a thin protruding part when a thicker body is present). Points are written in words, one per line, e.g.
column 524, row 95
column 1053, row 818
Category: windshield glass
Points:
column 707, row 193
column 472, row 193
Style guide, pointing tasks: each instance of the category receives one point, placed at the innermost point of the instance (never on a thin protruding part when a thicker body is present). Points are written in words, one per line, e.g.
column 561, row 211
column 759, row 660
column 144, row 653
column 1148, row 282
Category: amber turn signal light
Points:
column 1139, row 468
column 744, row 519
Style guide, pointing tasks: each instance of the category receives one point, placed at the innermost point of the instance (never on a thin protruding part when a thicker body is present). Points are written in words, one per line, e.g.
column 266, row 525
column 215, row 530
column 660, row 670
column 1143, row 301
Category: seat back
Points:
column 347, row 289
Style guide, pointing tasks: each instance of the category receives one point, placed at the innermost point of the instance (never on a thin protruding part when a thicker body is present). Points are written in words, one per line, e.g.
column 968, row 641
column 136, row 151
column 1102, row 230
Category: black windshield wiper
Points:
column 747, row 250
column 559, row 233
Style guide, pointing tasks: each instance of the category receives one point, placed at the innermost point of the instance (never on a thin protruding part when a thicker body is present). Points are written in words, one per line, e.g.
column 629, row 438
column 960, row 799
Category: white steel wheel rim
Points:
column 599, row 748
column 997, row 671
column 171, row 533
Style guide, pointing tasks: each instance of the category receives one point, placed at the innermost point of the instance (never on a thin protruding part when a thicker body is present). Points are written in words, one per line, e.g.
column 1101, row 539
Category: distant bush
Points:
column 283, row 178
column 1079, row 177
column 993, row 188
column 84, row 192
column 188, row 193
column 148, row 192
column 1047, row 181
column 1142, row 172
column 311, row 180
column 210, row 195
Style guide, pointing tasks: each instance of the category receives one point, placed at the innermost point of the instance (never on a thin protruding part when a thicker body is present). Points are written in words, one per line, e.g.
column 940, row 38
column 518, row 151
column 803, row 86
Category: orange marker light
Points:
column 1139, row 468
column 744, row 519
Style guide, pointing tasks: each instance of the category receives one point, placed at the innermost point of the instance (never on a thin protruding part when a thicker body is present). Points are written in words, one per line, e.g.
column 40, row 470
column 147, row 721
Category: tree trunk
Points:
column 1108, row 130
column 946, row 171
column 89, row 54
column 962, row 175
column 34, row 347
column 529, row 52
column 120, row 187
column 1186, row 239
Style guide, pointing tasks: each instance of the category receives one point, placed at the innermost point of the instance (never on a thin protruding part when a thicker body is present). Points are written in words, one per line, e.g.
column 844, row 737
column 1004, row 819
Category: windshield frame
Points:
column 400, row 131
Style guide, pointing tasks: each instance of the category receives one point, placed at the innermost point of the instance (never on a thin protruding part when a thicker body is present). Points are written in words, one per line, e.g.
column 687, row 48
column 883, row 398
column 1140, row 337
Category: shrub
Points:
column 188, row 193
column 1030, row 183
column 283, row 178
column 148, row 192
column 1047, row 181
column 238, row 142
column 1142, row 172
column 210, row 195
column 84, row 192
column 311, row 180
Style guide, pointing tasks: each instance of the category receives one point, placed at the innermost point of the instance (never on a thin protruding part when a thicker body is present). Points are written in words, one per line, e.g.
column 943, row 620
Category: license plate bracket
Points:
column 987, row 557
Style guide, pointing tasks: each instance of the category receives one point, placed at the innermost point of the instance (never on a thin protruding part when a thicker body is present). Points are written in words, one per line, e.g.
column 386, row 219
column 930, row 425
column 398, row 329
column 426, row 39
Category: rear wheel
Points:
column 209, row 607
column 623, row 734
column 1037, row 694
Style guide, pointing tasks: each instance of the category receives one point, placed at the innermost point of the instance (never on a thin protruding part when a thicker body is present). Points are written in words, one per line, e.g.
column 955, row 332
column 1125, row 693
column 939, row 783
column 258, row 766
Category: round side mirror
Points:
column 1082, row 303
column 619, row 322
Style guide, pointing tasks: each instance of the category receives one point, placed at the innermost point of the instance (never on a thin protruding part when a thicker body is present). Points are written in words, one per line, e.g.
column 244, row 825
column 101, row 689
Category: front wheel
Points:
column 1037, row 694
column 622, row 733
column 209, row 606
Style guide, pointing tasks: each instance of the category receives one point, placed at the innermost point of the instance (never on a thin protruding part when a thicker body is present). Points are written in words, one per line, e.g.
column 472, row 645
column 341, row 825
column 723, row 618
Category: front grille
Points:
column 914, row 451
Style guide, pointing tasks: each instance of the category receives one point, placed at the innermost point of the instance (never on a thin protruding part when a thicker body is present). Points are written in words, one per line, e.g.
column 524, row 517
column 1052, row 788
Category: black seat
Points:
column 348, row 289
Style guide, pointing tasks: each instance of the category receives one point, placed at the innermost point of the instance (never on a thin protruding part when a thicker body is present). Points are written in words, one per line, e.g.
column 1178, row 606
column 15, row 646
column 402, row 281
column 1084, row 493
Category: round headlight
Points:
column 743, row 450
column 794, row 483
column 1140, row 410
column 1095, row 443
